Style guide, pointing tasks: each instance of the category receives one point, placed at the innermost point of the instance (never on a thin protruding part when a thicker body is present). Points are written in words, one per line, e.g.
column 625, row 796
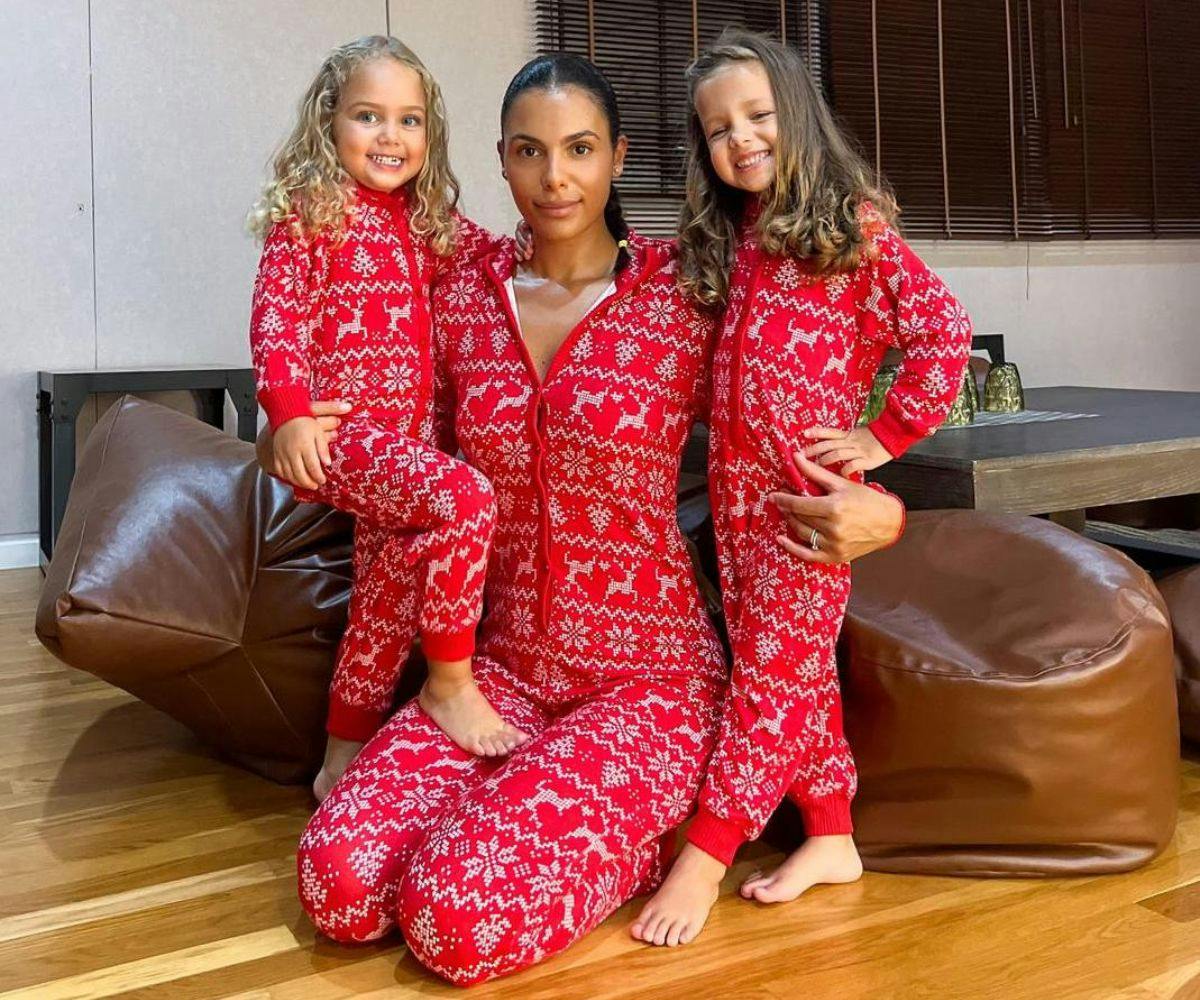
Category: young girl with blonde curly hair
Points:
column 788, row 231
column 359, row 221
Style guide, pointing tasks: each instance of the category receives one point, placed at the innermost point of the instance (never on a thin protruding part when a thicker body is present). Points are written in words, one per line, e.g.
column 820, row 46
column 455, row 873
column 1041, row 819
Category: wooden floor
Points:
column 135, row 864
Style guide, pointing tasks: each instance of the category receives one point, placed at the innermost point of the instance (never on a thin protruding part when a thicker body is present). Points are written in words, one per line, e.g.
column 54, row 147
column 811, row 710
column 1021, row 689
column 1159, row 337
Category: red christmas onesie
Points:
column 798, row 351
column 350, row 320
column 596, row 642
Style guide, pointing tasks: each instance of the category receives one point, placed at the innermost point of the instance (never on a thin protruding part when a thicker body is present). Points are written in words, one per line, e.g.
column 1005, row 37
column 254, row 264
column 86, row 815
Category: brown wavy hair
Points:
column 811, row 208
column 309, row 187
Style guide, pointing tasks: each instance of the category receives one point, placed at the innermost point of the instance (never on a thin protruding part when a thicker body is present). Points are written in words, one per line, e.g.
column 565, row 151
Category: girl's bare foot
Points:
column 830, row 860
column 452, row 700
column 678, row 911
column 338, row 755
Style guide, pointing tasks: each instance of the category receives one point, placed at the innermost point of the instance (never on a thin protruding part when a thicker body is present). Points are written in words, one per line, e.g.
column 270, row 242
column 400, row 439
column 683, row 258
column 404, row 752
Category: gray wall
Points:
column 145, row 129
column 121, row 243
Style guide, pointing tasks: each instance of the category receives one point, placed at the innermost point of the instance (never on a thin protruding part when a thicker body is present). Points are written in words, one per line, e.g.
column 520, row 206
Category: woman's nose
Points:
column 553, row 174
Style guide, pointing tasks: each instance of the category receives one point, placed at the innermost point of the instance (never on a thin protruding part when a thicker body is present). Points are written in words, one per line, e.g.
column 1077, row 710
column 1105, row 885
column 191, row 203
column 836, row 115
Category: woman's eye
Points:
column 717, row 132
column 367, row 116
column 412, row 121
column 581, row 149
column 527, row 152
column 759, row 116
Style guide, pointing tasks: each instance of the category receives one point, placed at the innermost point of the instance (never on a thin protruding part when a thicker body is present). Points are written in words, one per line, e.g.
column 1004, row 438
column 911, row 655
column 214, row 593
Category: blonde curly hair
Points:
column 310, row 189
column 811, row 209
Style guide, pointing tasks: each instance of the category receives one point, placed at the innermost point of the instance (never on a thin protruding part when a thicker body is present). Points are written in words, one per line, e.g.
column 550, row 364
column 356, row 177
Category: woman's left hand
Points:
column 849, row 521
column 858, row 450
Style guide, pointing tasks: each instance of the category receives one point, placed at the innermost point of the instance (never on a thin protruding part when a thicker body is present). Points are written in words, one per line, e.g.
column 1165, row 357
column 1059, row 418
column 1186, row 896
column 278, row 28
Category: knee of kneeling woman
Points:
column 467, row 944
column 338, row 896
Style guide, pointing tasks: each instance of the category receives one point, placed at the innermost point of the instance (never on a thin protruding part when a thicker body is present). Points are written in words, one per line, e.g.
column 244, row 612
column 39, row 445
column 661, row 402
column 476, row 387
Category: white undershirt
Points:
column 511, row 290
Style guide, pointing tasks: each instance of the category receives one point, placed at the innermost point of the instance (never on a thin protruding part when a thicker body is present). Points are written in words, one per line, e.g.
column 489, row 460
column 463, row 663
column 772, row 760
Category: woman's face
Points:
column 560, row 161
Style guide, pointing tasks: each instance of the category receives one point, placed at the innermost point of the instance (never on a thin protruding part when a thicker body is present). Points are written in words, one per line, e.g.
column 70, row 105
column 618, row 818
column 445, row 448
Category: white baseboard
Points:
column 18, row 551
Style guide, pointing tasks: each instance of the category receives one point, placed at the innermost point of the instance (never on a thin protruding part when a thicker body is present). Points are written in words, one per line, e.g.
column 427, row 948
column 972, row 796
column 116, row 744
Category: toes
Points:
column 772, row 892
column 753, row 882
column 660, row 932
column 688, row 934
column 673, row 933
column 651, row 928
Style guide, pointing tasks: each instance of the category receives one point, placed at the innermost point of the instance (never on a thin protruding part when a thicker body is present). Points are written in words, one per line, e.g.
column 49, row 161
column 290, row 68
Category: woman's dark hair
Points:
column 562, row 69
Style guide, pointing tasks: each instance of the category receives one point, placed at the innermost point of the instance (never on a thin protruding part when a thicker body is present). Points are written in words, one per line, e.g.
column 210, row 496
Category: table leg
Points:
column 64, row 404
column 212, row 407
column 241, row 390
column 1073, row 519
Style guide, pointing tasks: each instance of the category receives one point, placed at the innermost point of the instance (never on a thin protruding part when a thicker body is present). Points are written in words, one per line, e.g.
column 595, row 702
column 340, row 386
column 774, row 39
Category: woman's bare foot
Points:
column 830, row 860
column 452, row 700
column 678, row 911
column 338, row 755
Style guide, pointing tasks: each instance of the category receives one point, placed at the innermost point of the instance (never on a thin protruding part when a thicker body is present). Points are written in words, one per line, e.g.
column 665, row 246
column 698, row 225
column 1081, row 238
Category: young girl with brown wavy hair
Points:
column 786, row 230
column 359, row 221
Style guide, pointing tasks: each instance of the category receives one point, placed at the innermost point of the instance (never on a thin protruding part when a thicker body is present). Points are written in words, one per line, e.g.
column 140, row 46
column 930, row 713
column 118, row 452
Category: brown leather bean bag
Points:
column 189, row 578
column 1181, row 591
column 1010, row 701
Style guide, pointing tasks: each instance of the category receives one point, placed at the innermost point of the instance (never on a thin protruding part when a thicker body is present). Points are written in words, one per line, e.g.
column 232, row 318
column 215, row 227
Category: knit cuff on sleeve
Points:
column 284, row 403
column 894, row 432
column 827, row 816
column 448, row 646
column 352, row 722
column 719, row 837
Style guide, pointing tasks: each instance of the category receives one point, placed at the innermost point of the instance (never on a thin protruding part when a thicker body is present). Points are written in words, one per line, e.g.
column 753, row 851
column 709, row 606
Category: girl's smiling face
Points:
column 379, row 125
column 560, row 160
column 736, row 109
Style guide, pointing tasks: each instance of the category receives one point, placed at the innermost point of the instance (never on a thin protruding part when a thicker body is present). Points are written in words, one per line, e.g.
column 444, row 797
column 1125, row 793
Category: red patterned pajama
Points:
column 596, row 642
column 487, row 865
column 423, row 528
column 348, row 319
column 800, row 350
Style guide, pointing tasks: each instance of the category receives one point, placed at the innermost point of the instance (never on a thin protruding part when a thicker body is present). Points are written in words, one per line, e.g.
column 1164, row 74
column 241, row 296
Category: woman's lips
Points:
column 558, row 209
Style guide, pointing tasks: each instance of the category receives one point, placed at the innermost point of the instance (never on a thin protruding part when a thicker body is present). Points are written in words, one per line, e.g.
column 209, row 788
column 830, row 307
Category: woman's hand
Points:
column 326, row 416
column 850, row 520
column 858, row 450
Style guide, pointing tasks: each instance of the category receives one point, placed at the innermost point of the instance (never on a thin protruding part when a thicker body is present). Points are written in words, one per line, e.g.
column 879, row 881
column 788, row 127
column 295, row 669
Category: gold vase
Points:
column 1002, row 392
column 962, row 412
column 879, row 390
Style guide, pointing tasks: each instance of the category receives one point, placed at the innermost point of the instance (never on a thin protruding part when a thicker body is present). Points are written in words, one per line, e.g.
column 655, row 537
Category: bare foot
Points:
column 678, row 911
column 338, row 755
column 467, row 717
column 831, row 860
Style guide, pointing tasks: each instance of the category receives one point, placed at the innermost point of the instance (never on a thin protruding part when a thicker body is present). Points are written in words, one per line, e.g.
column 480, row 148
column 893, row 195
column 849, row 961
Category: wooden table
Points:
column 1141, row 445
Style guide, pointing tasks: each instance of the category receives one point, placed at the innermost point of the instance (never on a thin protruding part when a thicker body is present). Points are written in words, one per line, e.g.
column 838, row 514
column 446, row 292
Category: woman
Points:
column 572, row 384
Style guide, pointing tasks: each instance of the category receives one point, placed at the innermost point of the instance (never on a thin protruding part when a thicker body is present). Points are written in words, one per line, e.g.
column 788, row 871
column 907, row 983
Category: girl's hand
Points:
column 524, row 238
column 858, row 450
column 327, row 416
column 850, row 520
column 301, row 454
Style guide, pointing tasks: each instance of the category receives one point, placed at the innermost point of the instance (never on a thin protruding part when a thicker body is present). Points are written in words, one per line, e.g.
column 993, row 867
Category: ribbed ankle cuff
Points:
column 719, row 837
column 827, row 816
column 352, row 722
column 448, row 646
